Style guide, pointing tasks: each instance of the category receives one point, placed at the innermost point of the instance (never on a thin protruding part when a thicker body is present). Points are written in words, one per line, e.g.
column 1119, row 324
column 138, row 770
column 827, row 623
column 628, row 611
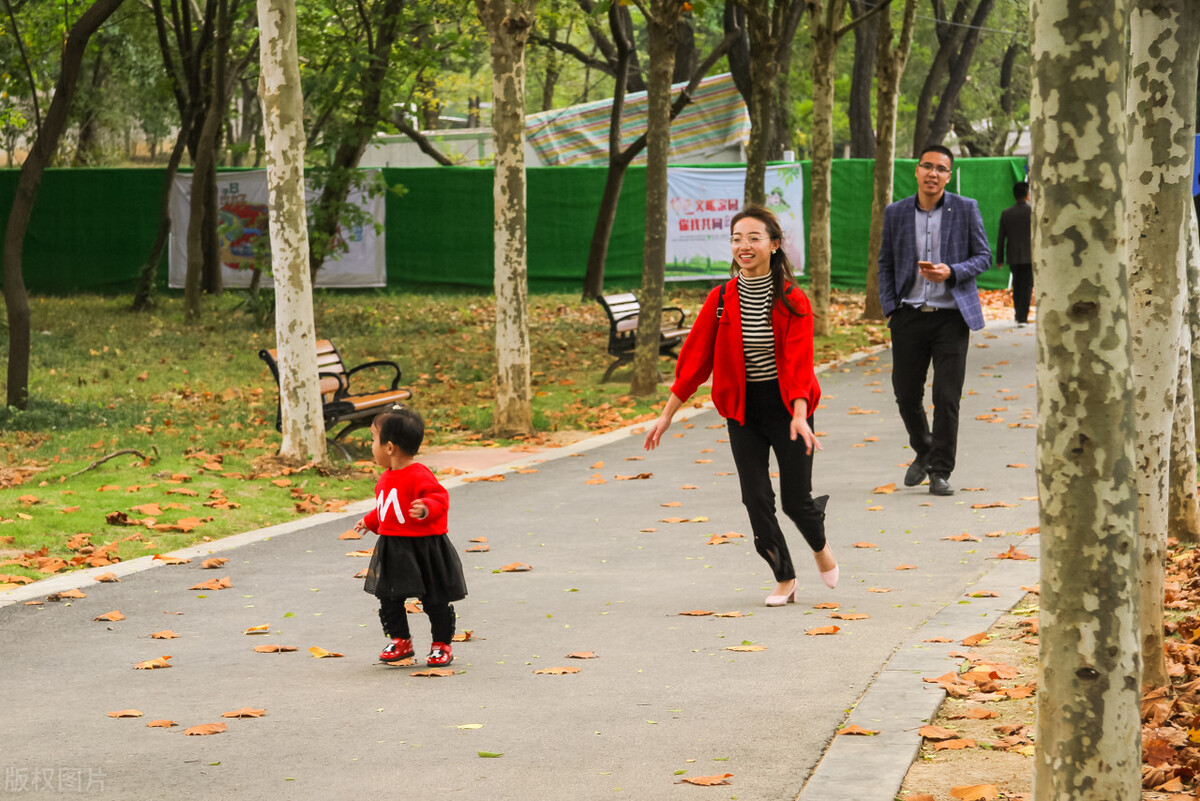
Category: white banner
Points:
column 701, row 202
column 241, row 212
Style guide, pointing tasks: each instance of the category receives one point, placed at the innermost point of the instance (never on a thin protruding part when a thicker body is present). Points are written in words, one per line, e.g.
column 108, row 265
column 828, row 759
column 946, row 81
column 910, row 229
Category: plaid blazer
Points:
column 964, row 247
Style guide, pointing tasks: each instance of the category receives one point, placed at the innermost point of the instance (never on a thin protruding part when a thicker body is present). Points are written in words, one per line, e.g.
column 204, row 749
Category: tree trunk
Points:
column 340, row 175
column 1159, row 188
column 949, row 33
column 1089, row 723
column 866, row 42
column 508, row 24
column 16, row 299
column 87, row 147
column 826, row 17
column 141, row 298
column 295, row 334
column 960, row 65
column 661, row 21
column 889, row 68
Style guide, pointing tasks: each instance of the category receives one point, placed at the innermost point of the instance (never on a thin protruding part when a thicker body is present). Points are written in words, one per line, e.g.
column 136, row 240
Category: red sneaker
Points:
column 439, row 655
column 398, row 649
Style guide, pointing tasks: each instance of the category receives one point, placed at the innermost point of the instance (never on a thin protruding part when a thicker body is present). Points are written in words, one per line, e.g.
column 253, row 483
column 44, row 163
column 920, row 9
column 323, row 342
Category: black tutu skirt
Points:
column 416, row 567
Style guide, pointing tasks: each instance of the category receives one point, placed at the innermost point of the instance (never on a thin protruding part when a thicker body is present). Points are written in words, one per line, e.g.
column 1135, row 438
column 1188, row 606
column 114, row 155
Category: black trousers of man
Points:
column 920, row 339
column 1022, row 289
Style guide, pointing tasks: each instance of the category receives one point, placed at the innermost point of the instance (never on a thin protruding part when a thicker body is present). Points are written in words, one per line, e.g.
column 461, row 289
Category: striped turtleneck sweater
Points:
column 758, row 339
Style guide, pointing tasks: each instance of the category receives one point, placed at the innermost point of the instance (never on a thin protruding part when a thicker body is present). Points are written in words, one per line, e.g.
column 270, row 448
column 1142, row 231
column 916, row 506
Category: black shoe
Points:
column 916, row 472
column 938, row 485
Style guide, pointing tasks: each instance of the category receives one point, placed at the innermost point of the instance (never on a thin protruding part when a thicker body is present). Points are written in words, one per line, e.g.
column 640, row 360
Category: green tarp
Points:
column 92, row 228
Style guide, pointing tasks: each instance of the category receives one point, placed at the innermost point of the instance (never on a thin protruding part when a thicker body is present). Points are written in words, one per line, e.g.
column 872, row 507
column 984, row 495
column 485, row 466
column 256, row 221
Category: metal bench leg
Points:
column 621, row 360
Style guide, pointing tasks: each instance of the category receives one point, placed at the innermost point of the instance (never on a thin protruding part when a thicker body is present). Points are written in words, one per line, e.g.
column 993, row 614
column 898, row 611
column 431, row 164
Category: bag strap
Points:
column 721, row 301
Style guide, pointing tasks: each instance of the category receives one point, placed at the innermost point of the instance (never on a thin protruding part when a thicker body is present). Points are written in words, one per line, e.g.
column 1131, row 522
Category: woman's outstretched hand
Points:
column 801, row 430
column 654, row 435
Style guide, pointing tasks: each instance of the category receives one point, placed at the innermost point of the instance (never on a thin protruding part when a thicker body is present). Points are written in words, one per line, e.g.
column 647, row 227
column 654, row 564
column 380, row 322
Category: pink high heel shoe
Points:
column 783, row 600
column 830, row 577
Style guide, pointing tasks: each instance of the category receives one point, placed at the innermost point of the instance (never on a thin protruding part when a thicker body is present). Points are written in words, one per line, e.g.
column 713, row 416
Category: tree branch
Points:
column 854, row 23
column 427, row 147
column 114, row 455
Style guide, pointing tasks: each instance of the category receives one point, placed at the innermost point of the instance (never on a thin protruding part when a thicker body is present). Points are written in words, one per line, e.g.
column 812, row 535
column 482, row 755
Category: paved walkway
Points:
column 664, row 700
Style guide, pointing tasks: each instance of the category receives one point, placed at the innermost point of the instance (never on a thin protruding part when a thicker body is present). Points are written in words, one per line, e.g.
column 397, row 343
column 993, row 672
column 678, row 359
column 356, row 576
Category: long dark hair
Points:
column 781, row 265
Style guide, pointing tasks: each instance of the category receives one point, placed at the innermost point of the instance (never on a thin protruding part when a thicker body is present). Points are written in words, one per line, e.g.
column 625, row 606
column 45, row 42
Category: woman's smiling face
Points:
column 751, row 246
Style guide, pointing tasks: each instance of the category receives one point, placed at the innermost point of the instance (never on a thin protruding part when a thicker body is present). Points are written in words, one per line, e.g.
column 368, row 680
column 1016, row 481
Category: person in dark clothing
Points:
column 1015, row 232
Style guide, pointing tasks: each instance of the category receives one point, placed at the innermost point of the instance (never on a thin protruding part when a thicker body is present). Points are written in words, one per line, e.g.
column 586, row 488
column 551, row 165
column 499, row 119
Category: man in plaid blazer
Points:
column 934, row 246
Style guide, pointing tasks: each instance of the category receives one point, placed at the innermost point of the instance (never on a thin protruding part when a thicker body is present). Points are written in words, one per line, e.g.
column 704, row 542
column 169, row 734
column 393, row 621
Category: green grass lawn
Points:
column 199, row 405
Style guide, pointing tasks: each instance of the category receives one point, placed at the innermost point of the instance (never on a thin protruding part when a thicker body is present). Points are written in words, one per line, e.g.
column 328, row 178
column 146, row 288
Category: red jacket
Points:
column 715, row 348
column 394, row 495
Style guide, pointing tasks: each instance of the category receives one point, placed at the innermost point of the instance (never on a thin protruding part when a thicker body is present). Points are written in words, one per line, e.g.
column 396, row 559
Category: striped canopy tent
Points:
column 578, row 135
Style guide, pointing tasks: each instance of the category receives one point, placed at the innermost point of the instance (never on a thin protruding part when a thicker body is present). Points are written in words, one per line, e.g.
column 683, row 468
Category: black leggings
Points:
column 394, row 618
column 767, row 427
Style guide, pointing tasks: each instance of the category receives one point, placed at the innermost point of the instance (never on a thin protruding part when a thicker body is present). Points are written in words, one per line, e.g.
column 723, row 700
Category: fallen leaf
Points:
column 823, row 630
column 937, row 733
column 865, row 545
column 205, row 728
column 274, row 649
column 697, row 613
column 975, row 792
column 671, row 504
column 107, row 578
column 827, row 605
column 744, row 648
column 639, row 476
column 367, row 552
column 854, row 728
column 556, row 671
column 71, row 593
column 111, row 617
column 463, row 636
column 321, row 653
column 214, row 563
column 153, row 664
column 708, row 781
column 886, row 489
column 214, row 584
column 480, row 548
column 938, row 639
column 478, row 539
column 964, row 537
column 125, row 713
column 1012, row 553
column 515, row 567
column 1017, row 464
column 920, row 797
column 263, row 629
column 170, row 560
column 245, row 712
column 598, row 466
column 351, row 534
column 879, row 589
column 148, row 509
column 582, row 655
column 433, row 673
column 471, row 479
column 975, row 639
column 729, row 614
column 161, row 724
column 488, row 754
column 993, row 505
column 905, row 567
column 953, row 745
column 849, row 616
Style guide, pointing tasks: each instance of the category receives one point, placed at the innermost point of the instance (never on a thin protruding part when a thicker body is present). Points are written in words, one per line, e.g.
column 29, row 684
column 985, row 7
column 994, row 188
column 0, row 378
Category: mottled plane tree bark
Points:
column 1089, row 723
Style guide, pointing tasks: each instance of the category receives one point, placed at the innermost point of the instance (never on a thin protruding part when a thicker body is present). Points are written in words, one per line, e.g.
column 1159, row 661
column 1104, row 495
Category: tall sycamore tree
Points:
column 1089, row 732
column 1161, row 142
column 295, row 333
column 508, row 23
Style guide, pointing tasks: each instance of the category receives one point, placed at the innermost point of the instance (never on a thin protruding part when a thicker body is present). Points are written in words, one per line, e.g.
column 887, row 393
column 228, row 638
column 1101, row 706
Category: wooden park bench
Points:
column 623, row 311
column 338, row 403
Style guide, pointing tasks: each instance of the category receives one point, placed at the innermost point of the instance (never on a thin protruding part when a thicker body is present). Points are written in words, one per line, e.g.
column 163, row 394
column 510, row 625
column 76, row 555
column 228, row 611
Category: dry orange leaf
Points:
column 886, row 489
column 274, row 649
column 938, row 639
column 480, row 548
column 245, row 712
column 125, row 713
column 351, row 534
column 165, row 634
column 953, row 745
column 433, row 673
column 849, row 616
column 1017, row 464
column 214, row 584
column 463, row 636
column 107, row 578
column 28, row 500
column 596, row 480
column 879, row 589
column 214, row 563
column 111, row 617
column 905, row 567
column 709, row 781
column 362, row 552
column 671, row 504
column 920, row 797
column 170, row 560
column 478, row 539
column 153, row 664
column 744, row 648
column 321, row 653
column 161, row 724
column 1012, row 553
column 854, row 728
column 865, row 545
column 975, row 639
column 692, row 486
column 697, row 613
column 975, row 792
column 282, row 482
column 205, row 728
column 148, row 509
column 263, row 629
column 472, row 479
column 980, row 714
column 823, row 630
column 526, row 471
column 582, row 655
column 598, row 466
column 556, row 671
column 638, row 477
column 729, row 614
column 937, row 733
column 827, row 605
column 993, row 505
column 515, row 567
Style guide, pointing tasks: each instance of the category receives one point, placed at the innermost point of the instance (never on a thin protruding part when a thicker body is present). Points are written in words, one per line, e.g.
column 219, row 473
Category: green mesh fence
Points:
column 92, row 229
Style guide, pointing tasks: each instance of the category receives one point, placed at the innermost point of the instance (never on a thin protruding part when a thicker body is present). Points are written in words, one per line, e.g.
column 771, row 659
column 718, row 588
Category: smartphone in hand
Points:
column 924, row 265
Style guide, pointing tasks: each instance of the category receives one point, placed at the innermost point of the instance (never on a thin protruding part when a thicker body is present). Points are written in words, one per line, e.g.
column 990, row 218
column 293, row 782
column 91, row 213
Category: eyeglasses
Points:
column 752, row 239
column 940, row 169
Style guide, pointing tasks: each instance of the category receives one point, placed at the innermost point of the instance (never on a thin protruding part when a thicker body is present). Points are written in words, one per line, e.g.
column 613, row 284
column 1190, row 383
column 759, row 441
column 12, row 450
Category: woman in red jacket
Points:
column 754, row 336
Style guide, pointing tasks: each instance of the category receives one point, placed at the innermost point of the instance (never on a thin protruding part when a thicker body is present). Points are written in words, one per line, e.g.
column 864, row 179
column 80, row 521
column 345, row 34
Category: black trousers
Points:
column 395, row 619
column 767, row 428
column 1022, row 289
column 919, row 339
